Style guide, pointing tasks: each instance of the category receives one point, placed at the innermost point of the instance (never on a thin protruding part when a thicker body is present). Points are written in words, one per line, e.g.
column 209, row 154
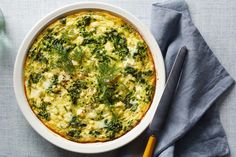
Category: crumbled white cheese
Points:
column 74, row 62
column 100, row 124
column 129, row 62
column 80, row 111
column 68, row 116
column 46, row 84
column 62, row 125
column 35, row 93
column 47, row 99
column 79, row 40
column 118, row 104
column 94, row 24
column 49, row 74
column 92, row 114
column 109, row 46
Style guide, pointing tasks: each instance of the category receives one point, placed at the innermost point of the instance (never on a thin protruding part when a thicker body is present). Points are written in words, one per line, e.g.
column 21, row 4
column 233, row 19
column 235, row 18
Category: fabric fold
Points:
column 203, row 81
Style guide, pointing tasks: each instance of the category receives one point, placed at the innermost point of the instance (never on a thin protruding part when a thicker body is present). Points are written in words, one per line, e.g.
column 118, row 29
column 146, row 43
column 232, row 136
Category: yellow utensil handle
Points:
column 150, row 146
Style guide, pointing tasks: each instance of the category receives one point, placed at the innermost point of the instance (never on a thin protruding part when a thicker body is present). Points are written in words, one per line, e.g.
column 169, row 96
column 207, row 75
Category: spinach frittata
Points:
column 89, row 76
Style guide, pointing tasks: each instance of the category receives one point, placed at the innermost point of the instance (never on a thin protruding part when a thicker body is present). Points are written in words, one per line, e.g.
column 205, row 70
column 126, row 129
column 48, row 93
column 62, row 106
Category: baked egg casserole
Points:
column 89, row 76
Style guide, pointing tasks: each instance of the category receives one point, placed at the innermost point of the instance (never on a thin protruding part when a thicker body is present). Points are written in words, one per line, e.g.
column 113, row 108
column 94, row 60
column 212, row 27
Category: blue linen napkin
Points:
column 192, row 127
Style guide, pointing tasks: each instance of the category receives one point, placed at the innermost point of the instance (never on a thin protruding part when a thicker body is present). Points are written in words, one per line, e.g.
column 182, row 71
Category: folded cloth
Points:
column 192, row 127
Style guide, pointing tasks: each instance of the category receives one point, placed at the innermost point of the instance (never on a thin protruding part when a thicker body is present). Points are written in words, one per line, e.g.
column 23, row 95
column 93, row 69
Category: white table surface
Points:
column 216, row 20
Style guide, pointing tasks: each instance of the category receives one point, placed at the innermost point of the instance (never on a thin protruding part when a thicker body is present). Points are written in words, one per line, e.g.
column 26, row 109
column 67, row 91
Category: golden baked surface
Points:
column 89, row 77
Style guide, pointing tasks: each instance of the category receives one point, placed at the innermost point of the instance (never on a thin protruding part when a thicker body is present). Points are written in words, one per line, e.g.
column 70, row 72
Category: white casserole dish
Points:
column 57, row 139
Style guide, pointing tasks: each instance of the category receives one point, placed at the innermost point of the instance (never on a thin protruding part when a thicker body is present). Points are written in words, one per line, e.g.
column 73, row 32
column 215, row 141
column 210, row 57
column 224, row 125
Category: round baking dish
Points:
column 57, row 139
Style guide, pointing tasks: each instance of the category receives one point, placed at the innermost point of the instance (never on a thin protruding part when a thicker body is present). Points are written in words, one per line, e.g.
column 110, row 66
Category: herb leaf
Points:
column 35, row 77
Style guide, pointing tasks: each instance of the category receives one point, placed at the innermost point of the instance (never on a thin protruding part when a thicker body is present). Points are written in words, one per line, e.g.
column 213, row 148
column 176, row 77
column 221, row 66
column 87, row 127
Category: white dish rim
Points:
column 56, row 139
